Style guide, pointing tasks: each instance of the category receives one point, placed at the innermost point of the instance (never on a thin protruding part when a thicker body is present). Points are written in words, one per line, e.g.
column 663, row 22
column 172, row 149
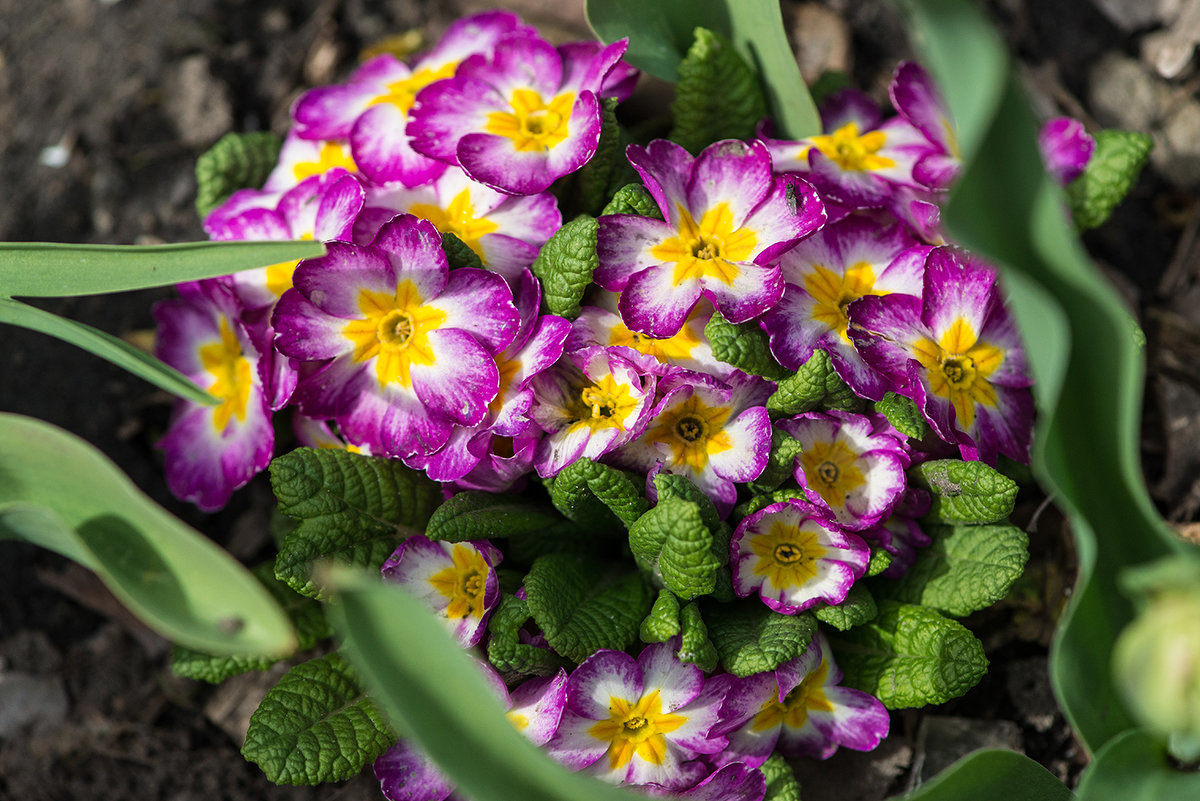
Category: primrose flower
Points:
column 713, row 433
column 591, row 402
column 210, row 451
column 799, row 708
column 917, row 98
column 794, row 555
column 826, row 273
column 851, row 465
column 858, row 161
column 408, row 345
column 1066, row 148
column 725, row 221
column 956, row 353
column 521, row 119
column 372, row 109
column 456, row 579
column 505, row 231
column 639, row 721
column 301, row 158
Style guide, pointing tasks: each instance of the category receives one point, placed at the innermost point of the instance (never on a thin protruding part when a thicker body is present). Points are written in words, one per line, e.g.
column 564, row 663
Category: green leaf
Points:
column 814, row 386
column 663, row 621
column 633, row 199
column 52, row 270
column 505, row 650
column 781, row 466
column 695, row 646
column 306, row 615
column 781, row 780
column 236, row 161
column 1110, row 173
column 903, row 414
column 475, row 515
column 881, row 560
column 965, row 492
column 858, row 608
column 608, row 168
column 1135, row 766
column 909, row 656
column 565, row 265
column 352, row 509
column 760, row 502
column 434, row 692
column 596, row 496
column 751, row 638
column 744, row 346
column 583, row 606
column 703, row 116
column 459, row 253
column 673, row 542
column 992, row 775
column 58, row 492
column 316, row 725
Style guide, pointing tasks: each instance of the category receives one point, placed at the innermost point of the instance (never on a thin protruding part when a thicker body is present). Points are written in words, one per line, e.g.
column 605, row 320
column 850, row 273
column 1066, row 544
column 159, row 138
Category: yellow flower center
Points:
column 830, row 469
column 401, row 93
column 852, row 152
column 533, row 124
column 693, row 431
column 709, row 248
column 793, row 709
column 833, row 293
column 463, row 583
column 958, row 368
column 636, row 729
column 395, row 332
column 604, row 404
column 458, row 218
column 675, row 348
column 232, row 376
column 787, row 555
column 330, row 156
column 279, row 276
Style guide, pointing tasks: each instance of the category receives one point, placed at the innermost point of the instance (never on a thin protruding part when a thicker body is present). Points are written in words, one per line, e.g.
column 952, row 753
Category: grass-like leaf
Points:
column 1135, row 766
column 993, row 775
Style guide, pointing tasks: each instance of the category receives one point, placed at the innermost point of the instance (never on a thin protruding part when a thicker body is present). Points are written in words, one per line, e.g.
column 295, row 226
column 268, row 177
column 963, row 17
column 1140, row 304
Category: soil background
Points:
column 104, row 107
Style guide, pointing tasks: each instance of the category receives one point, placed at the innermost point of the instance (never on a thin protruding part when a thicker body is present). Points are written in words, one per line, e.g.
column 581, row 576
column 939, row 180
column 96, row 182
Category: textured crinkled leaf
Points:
column 750, row 637
column 306, row 615
column 583, row 606
column 903, row 414
column 965, row 492
column 781, row 465
column 506, row 652
column 524, row 549
column 743, row 345
column 316, row 725
column 596, row 496
column 816, row 385
column 663, row 621
column 967, row 568
column 881, row 560
column 608, row 169
column 236, row 161
column 695, row 647
column 459, row 253
column 673, row 542
column 565, row 265
column 473, row 515
column 351, row 509
column 781, row 780
column 909, row 656
column 858, row 608
column 759, row 502
column 633, row 199
column 702, row 115
column 1109, row 175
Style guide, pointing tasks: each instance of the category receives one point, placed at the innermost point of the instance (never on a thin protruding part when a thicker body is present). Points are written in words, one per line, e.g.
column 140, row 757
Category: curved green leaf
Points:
column 597, row 496
column 52, row 270
column 236, row 161
column 473, row 515
column 58, row 492
column 703, row 116
column 1110, row 173
column 565, row 265
column 992, row 775
column 965, row 492
column 434, row 693
column 1135, row 766
column 752, row 638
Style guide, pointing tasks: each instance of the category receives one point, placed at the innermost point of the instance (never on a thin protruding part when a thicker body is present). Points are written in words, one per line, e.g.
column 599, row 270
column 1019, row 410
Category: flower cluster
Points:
column 831, row 243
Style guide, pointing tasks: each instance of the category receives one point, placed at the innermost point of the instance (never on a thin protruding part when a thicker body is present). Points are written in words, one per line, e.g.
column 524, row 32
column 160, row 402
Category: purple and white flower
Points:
column 1066, row 148
column 918, row 99
column 726, row 220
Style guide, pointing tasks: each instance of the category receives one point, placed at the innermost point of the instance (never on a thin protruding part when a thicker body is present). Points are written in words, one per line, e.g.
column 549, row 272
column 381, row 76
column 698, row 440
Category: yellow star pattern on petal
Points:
column 958, row 367
column 395, row 332
column 636, row 728
column 232, row 376
column 706, row 249
column 533, row 124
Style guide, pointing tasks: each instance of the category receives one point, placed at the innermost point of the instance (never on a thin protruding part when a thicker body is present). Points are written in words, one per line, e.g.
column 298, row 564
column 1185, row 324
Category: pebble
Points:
column 943, row 740
column 1176, row 155
column 1123, row 93
column 196, row 103
column 1132, row 15
column 27, row 699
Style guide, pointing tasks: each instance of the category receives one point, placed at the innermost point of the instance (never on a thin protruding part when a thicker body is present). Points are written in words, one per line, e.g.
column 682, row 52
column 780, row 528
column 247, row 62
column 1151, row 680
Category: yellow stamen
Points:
column 330, row 156
column 793, row 709
column 232, row 376
column 787, row 554
column 533, row 124
column 829, row 468
column 463, row 583
column 395, row 332
column 833, row 293
column 636, row 729
column 693, row 431
column 958, row 368
column 709, row 248
column 853, row 152
column 604, row 404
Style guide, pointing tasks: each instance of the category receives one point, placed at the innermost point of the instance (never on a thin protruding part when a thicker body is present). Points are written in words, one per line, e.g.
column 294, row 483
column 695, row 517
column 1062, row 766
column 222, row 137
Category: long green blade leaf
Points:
column 58, row 492
column 1134, row 766
column 434, row 694
column 106, row 346
column 993, row 775
column 47, row 269
column 758, row 32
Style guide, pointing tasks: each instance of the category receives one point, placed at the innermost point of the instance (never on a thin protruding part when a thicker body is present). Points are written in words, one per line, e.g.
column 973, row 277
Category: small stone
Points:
column 196, row 103
column 854, row 775
column 1132, row 15
column 1028, row 684
column 26, row 699
column 943, row 740
column 1123, row 93
column 821, row 39
column 1178, row 157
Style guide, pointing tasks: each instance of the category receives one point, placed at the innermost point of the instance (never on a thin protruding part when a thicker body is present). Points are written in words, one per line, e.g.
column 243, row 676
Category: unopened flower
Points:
column 917, row 98
column 726, row 219
column 794, row 556
column 1066, row 148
